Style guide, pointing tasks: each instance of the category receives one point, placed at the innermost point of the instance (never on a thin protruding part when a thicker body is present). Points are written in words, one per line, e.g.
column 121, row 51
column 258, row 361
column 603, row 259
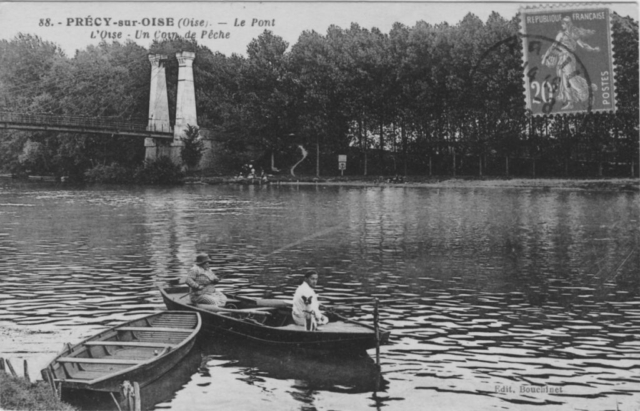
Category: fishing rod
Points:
column 285, row 247
column 615, row 273
column 295, row 243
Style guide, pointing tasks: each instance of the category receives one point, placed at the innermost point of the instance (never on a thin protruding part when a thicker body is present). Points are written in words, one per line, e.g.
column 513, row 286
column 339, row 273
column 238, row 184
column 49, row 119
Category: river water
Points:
column 514, row 299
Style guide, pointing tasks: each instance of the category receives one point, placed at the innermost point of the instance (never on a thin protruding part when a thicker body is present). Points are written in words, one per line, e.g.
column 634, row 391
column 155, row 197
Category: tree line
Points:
column 424, row 100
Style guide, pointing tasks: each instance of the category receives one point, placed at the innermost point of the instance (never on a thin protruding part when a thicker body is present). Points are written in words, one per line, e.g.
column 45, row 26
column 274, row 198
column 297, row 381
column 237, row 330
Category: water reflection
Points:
column 515, row 288
column 352, row 374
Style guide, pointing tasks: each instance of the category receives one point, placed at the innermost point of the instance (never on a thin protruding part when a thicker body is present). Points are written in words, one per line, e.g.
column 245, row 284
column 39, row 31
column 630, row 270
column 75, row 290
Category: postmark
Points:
column 568, row 60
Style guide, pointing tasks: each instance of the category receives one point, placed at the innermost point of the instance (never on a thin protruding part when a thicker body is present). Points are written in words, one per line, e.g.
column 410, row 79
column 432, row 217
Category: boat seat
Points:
column 177, row 330
column 84, row 376
column 229, row 301
column 254, row 321
column 98, row 361
column 274, row 302
column 257, row 309
column 74, row 380
column 250, row 311
column 220, row 310
column 130, row 344
column 337, row 326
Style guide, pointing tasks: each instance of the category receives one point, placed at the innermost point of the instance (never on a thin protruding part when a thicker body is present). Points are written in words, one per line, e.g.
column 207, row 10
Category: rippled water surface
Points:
column 511, row 299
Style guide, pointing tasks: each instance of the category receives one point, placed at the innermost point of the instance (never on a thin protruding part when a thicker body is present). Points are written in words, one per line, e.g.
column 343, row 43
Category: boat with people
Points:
column 270, row 321
column 140, row 351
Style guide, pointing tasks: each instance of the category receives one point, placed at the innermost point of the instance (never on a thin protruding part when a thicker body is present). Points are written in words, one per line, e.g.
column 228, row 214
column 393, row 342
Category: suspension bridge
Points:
column 78, row 124
column 161, row 139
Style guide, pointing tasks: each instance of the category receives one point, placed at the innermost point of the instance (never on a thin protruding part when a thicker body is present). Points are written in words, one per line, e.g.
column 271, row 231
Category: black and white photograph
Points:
column 319, row 206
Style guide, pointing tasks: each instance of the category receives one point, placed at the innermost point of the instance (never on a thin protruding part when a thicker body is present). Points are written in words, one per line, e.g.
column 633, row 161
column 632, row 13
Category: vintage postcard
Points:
column 319, row 205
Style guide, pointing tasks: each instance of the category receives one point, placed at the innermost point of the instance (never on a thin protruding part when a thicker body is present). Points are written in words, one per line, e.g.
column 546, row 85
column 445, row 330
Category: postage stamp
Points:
column 568, row 60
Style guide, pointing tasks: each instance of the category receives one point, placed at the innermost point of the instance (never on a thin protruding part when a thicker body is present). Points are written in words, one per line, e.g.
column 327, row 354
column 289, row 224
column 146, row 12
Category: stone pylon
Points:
column 185, row 103
column 158, row 108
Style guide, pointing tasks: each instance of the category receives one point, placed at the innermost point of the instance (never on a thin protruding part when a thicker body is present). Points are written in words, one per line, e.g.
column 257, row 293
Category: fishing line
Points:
column 307, row 238
column 286, row 247
column 295, row 243
column 612, row 276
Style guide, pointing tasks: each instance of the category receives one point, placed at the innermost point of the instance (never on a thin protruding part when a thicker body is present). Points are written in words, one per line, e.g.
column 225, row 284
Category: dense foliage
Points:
column 158, row 172
column 155, row 172
column 108, row 174
column 427, row 99
column 193, row 149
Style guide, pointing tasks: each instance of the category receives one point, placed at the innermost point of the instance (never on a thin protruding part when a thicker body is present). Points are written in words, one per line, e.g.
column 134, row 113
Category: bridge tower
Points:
column 185, row 103
column 158, row 108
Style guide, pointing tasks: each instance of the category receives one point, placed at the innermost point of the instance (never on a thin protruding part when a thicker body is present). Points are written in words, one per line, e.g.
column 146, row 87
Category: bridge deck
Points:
column 74, row 124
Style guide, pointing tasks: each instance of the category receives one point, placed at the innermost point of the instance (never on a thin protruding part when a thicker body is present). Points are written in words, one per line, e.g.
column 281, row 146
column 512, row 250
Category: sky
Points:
column 228, row 27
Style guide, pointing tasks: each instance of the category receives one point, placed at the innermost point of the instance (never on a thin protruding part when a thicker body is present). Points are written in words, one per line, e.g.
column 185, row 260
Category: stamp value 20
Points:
column 568, row 60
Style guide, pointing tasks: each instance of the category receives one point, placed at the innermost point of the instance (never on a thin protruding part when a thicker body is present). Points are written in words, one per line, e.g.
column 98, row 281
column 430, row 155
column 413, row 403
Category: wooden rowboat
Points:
column 270, row 321
column 139, row 351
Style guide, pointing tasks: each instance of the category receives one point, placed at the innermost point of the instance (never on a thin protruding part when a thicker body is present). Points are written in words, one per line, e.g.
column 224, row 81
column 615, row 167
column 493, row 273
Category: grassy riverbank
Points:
column 20, row 394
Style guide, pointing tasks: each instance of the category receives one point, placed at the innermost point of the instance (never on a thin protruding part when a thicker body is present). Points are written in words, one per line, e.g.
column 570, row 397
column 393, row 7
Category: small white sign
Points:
column 342, row 163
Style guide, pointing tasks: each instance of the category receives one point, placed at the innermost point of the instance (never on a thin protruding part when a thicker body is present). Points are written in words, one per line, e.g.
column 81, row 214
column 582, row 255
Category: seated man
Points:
column 201, row 281
column 306, row 307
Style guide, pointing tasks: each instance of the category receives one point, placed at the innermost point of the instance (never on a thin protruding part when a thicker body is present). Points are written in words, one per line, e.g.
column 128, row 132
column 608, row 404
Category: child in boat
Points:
column 306, row 307
column 201, row 281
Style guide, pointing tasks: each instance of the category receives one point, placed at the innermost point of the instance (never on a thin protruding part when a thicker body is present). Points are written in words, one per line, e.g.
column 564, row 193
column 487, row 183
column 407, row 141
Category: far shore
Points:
column 607, row 184
column 612, row 184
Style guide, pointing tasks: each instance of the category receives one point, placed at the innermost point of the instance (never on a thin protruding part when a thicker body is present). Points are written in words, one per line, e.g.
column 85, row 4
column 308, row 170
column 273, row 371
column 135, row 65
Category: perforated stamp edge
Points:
column 567, row 8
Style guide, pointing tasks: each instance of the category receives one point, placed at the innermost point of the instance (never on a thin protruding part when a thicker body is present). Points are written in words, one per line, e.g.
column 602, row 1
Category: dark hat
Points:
column 202, row 258
column 309, row 273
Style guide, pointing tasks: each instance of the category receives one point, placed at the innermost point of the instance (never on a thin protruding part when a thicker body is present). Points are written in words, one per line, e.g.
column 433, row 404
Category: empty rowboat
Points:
column 139, row 351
